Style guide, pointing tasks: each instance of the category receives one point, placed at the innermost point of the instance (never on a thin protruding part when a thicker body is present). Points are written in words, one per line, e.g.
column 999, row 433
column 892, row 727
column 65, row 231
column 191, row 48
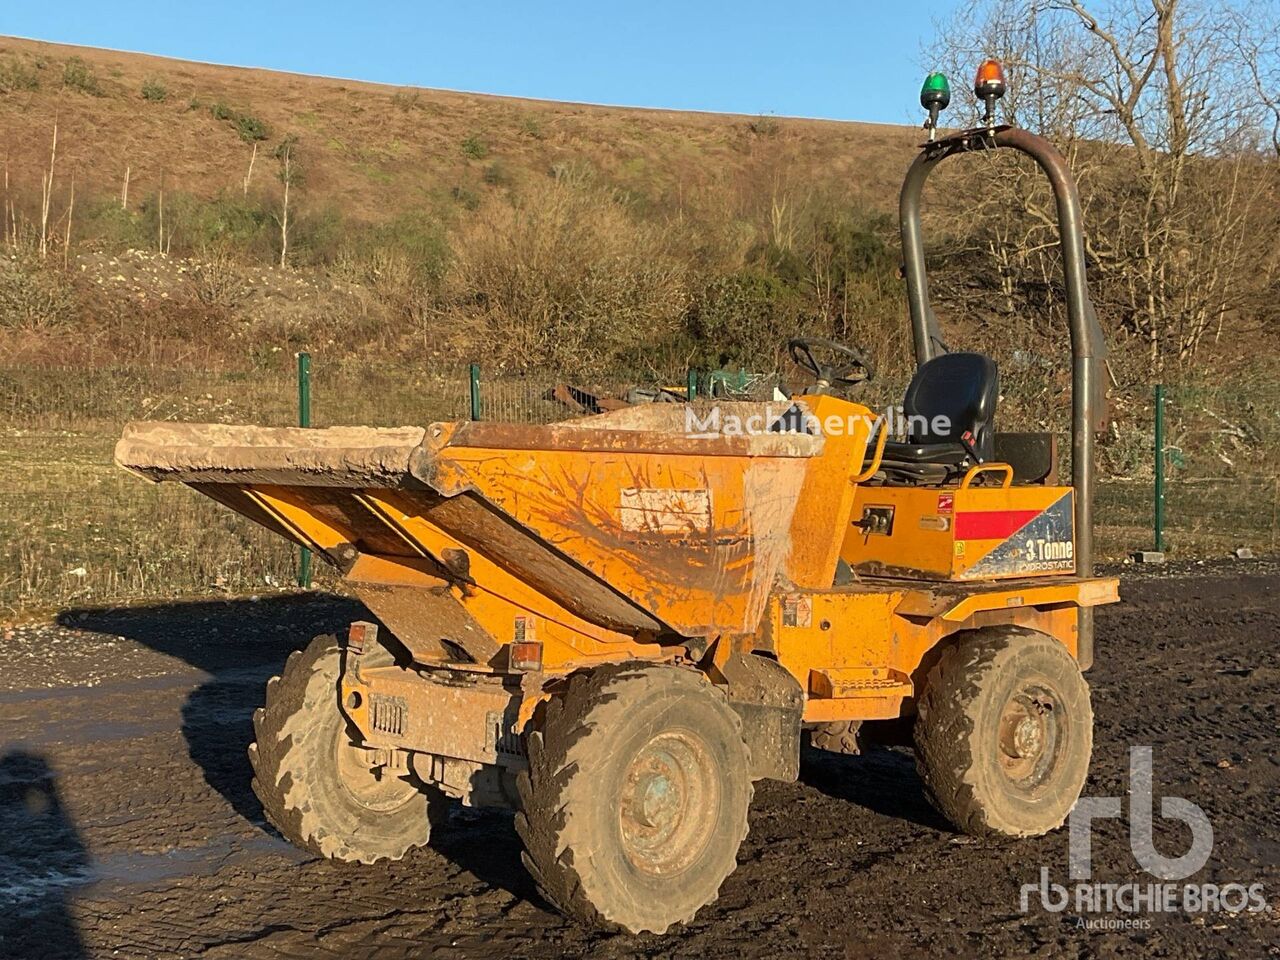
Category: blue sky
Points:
column 853, row 60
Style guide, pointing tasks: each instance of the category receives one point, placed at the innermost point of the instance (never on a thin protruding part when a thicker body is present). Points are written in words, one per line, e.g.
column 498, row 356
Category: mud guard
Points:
column 770, row 703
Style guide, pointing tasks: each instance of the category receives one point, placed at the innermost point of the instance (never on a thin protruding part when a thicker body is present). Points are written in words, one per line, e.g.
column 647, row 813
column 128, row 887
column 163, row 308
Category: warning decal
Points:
column 1038, row 542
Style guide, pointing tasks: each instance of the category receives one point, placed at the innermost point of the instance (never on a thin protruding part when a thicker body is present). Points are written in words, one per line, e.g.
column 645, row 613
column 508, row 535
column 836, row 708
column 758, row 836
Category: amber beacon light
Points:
column 989, row 86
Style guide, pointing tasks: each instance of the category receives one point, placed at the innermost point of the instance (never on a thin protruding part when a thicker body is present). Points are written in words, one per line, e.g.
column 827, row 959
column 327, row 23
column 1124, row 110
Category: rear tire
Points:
column 1004, row 733
column 311, row 777
column 838, row 736
column 635, row 800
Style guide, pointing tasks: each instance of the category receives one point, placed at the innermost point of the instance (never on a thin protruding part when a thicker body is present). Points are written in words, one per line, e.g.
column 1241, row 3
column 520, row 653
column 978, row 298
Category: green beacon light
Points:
column 934, row 97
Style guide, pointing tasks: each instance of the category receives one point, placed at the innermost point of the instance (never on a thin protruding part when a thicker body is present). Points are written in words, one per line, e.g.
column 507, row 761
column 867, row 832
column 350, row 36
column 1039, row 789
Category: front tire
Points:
column 1004, row 733
column 311, row 776
column 635, row 800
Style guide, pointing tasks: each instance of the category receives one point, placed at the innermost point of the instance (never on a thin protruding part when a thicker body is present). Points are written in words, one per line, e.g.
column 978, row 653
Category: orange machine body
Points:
column 515, row 554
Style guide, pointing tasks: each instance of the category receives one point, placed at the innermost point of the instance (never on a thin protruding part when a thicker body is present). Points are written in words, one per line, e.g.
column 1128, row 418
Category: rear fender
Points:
column 770, row 703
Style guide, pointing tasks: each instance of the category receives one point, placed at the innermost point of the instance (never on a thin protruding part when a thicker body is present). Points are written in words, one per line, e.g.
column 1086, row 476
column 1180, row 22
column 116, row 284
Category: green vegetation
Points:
column 496, row 175
column 34, row 296
column 475, row 148
column 154, row 89
column 249, row 127
column 16, row 75
column 78, row 75
column 375, row 174
column 531, row 127
column 465, row 197
column 765, row 126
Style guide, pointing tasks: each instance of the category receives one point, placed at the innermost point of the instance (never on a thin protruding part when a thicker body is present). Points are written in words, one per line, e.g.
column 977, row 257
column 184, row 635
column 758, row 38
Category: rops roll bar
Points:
column 1088, row 350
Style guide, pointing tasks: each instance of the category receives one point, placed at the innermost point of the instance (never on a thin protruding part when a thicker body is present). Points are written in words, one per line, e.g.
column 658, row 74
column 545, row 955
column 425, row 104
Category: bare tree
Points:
column 46, row 194
column 66, row 240
column 10, row 223
column 1147, row 99
column 290, row 175
column 165, row 230
column 248, row 176
column 1258, row 48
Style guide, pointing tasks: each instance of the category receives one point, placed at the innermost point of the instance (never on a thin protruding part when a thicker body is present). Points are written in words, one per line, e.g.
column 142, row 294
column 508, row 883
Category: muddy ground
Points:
column 128, row 829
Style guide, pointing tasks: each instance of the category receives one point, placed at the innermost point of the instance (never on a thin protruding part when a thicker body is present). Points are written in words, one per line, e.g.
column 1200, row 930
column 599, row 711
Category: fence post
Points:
column 691, row 381
column 473, row 375
column 1159, row 468
column 304, row 420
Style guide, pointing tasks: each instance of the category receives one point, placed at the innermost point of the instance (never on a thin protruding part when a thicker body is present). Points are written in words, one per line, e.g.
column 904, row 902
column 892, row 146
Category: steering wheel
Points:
column 846, row 367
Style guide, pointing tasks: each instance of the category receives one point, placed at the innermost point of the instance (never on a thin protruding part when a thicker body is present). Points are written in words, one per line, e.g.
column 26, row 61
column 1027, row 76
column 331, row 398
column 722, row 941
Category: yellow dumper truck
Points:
column 614, row 625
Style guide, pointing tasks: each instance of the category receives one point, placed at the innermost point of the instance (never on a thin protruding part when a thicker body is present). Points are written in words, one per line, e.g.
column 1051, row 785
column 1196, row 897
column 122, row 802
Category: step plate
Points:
column 849, row 682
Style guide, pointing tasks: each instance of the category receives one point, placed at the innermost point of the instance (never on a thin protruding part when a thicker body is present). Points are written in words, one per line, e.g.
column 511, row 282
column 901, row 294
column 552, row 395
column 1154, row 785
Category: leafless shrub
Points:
column 564, row 277
column 218, row 280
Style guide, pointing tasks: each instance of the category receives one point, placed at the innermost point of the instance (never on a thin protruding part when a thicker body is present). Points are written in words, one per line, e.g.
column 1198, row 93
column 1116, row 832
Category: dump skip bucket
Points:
column 625, row 519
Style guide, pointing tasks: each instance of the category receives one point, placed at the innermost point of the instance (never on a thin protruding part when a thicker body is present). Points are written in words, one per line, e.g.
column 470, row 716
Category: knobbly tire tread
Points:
column 560, row 850
column 839, row 736
column 949, row 712
column 289, row 769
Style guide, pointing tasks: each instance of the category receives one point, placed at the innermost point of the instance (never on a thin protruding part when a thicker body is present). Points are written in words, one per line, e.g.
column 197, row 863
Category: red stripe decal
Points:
column 992, row 524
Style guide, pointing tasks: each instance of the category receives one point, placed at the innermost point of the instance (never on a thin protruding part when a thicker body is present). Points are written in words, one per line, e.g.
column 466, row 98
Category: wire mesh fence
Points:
column 74, row 398
column 541, row 397
column 75, row 529
column 1193, row 469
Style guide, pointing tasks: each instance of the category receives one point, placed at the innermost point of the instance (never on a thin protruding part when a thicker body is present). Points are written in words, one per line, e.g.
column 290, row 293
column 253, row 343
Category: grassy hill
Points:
column 371, row 149
column 408, row 201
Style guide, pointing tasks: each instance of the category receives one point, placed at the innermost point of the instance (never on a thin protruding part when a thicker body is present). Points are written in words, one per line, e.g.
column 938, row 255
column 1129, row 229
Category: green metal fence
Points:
column 1215, row 488
column 75, row 529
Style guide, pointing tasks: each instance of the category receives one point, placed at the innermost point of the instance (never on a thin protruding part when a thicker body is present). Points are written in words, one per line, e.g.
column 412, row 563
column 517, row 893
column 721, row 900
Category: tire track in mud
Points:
column 128, row 829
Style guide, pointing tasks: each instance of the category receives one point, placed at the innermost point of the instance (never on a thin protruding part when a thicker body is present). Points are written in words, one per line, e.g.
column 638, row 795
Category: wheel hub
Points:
column 657, row 800
column 668, row 798
column 1029, row 737
column 371, row 787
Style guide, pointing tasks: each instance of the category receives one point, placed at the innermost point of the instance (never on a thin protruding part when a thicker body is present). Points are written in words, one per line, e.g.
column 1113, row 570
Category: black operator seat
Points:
column 962, row 388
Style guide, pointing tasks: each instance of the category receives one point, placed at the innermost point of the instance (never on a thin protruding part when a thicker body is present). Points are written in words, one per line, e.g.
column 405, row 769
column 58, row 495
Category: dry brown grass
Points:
column 75, row 528
column 370, row 149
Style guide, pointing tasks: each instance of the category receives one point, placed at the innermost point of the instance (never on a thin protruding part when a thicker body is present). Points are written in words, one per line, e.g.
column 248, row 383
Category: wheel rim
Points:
column 362, row 785
column 1030, row 737
column 669, row 803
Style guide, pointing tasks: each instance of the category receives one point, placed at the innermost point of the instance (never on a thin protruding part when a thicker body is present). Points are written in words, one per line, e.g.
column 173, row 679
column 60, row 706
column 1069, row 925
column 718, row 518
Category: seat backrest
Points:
column 964, row 388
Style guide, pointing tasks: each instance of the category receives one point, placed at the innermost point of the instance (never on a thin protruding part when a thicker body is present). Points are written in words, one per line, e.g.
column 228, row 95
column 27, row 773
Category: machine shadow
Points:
column 880, row 779
column 43, row 859
column 486, row 845
column 241, row 643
